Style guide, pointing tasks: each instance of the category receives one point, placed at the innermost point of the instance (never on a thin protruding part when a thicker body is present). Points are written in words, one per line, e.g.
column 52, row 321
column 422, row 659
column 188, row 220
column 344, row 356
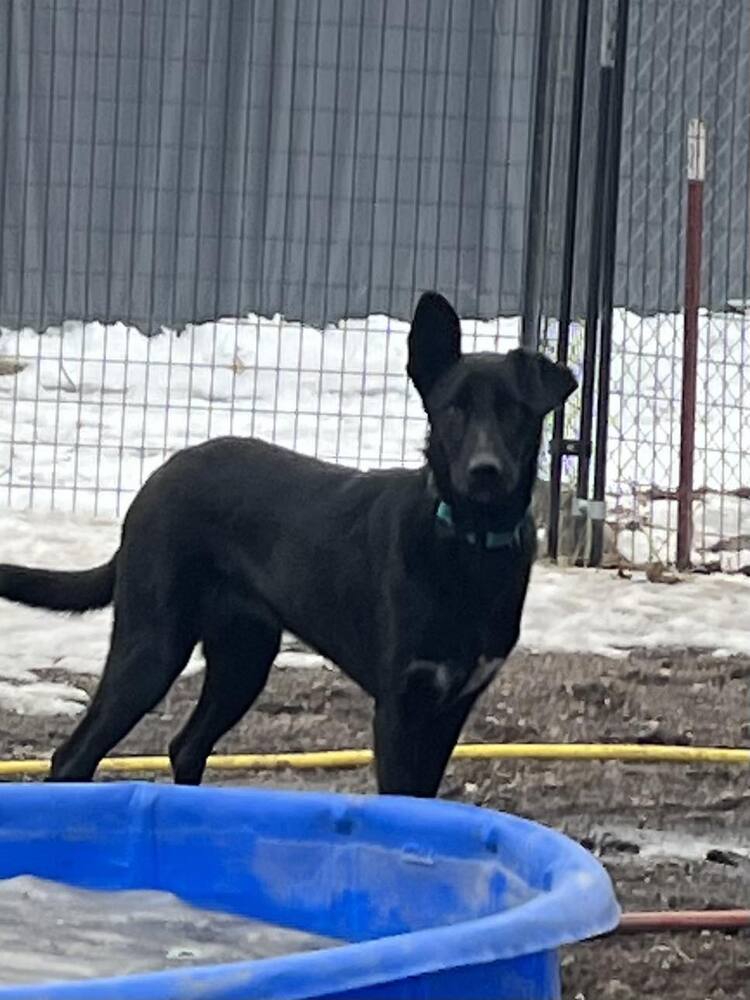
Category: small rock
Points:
column 11, row 366
column 647, row 730
column 722, row 857
column 177, row 953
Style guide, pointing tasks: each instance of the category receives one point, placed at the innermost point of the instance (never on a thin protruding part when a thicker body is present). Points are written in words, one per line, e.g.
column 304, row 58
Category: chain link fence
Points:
column 686, row 60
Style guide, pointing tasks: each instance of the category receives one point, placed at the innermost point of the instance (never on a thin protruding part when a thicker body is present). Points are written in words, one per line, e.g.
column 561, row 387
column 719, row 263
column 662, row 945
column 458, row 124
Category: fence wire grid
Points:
column 216, row 219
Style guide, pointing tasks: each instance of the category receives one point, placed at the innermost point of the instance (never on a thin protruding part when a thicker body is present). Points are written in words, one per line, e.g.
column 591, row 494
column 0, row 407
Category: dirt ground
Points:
column 670, row 835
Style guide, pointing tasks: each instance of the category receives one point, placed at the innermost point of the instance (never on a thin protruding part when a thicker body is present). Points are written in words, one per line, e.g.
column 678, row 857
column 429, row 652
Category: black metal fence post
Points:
column 593, row 294
column 597, row 508
column 557, row 446
column 538, row 181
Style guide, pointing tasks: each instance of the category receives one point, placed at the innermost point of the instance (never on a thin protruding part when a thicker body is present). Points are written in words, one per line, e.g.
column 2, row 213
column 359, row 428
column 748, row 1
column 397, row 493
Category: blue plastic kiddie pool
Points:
column 433, row 899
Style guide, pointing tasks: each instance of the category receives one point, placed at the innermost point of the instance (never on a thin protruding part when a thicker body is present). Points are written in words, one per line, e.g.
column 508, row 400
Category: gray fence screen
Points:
column 685, row 59
column 173, row 162
column 183, row 160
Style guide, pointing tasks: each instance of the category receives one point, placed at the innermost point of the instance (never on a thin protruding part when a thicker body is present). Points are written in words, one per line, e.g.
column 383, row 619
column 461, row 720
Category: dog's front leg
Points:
column 413, row 744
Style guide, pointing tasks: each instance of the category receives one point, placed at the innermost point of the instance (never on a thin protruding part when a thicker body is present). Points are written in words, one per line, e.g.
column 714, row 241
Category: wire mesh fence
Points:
column 216, row 219
column 90, row 410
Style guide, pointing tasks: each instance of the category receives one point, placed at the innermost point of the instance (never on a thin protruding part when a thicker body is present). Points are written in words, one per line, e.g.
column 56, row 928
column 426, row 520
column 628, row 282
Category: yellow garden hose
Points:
column 633, row 752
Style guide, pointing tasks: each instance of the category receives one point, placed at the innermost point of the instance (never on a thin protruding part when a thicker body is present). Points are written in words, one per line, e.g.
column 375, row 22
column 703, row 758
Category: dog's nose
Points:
column 484, row 470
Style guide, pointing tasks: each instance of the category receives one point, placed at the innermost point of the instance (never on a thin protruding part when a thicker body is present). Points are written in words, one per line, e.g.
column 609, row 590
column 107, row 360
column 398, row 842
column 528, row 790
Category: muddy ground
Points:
column 670, row 835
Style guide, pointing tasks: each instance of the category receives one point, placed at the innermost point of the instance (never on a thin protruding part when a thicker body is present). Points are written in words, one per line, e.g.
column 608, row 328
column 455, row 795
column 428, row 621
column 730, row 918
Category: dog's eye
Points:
column 453, row 420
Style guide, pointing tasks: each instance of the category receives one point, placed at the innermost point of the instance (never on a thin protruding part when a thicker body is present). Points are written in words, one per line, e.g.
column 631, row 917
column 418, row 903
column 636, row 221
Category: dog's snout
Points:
column 485, row 476
column 485, row 469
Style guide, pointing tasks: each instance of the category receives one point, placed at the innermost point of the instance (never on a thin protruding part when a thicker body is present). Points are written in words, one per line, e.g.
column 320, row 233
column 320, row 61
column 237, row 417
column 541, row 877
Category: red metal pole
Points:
column 696, row 171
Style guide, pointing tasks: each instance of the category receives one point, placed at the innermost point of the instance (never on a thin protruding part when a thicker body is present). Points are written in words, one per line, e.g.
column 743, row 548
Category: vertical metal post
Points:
column 568, row 259
column 696, row 172
column 606, row 63
column 538, row 183
column 597, row 508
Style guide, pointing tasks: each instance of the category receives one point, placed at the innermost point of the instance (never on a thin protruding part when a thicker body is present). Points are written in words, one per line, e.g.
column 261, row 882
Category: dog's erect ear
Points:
column 434, row 341
column 539, row 383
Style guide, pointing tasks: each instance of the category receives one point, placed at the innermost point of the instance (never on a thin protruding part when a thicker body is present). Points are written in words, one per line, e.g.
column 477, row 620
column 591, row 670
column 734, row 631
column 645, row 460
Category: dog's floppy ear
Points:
column 539, row 383
column 434, row 341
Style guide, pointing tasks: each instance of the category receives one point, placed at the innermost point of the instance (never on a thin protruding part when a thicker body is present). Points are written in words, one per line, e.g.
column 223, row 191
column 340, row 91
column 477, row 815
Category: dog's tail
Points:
column 59, row 590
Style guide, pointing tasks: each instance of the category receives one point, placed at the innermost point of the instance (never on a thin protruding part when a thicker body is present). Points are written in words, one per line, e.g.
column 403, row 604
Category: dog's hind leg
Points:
column 239, row 651
column 145, row 657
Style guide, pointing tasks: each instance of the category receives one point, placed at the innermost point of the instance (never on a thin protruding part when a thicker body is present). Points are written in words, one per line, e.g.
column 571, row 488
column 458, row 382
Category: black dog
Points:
column 413, row 581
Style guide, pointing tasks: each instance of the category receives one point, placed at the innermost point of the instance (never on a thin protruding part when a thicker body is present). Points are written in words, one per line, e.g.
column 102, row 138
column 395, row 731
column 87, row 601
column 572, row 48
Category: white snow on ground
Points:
column 574, row 610
column 596, row 611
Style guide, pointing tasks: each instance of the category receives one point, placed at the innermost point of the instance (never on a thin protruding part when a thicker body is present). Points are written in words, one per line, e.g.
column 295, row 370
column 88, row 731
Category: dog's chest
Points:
column 464, row 640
